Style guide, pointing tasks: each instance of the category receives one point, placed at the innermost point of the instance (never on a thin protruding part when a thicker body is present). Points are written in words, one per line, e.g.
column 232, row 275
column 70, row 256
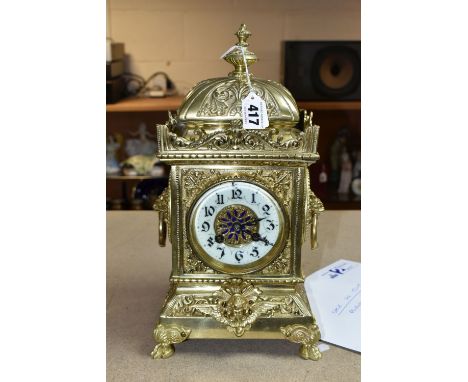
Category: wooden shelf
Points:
column 174, row 102
column 146, row 104
column 133, row 177
column 329, row 105
column 346, row 202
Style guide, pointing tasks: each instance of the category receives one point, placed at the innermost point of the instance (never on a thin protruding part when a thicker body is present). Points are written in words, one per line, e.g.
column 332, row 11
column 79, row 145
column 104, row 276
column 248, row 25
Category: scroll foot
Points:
column 310, row 352
column 307, row 336
column 162, row 351
column 167, row 336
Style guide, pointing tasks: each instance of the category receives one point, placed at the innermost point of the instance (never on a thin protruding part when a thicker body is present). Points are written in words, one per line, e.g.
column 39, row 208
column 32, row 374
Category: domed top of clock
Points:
column 218, row 101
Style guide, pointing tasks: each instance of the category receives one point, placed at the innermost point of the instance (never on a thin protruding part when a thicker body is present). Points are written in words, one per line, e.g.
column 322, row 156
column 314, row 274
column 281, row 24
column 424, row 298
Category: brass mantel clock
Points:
column 236, row 211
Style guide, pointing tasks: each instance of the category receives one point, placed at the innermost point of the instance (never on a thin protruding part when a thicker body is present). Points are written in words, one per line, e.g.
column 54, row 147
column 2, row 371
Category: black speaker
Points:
column 323, row 70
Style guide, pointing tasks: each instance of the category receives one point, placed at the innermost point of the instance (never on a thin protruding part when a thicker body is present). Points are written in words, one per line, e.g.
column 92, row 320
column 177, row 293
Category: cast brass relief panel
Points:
column 195, row 181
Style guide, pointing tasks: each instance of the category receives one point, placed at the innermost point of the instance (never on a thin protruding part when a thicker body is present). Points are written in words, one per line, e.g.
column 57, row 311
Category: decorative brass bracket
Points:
column 308, row 337
column 238, row 306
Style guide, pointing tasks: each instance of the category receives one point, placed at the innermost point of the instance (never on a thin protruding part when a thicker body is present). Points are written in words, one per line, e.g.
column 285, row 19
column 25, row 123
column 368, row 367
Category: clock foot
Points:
column 162, row 351
column 307, row 336
column 167, row 336
column 310, row 352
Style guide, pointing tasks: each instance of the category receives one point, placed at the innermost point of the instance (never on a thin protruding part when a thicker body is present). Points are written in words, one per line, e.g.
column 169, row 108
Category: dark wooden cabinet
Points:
column 332, row 117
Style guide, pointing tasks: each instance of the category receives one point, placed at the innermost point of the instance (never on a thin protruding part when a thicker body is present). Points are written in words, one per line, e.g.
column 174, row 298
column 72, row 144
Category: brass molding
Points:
column 234, row 142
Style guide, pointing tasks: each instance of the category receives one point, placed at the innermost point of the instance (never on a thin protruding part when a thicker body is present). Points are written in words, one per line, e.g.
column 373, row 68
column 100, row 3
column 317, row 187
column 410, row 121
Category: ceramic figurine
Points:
column 338, row 146
column 346, row 173
column 356, row 183
column 143, row 145
column 357, row 166
column 323, row 177
column 356, row 186
column 322, row 181
column 139, row 165
column 112, row 165
column 157, row 171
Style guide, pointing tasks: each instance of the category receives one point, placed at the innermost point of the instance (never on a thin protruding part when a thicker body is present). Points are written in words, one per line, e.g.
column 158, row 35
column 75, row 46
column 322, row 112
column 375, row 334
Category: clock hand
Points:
column 256, row 237
column 266, row 241
column 257, row 220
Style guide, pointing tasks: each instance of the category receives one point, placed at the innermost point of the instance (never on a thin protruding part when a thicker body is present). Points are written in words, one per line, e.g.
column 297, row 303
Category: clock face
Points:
column 237, row 226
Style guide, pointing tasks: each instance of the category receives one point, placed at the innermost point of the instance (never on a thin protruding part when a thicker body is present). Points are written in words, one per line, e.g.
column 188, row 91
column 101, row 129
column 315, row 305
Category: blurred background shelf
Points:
column 133, row 177
column 124, row 117
column 140, row 104
column 329, row 105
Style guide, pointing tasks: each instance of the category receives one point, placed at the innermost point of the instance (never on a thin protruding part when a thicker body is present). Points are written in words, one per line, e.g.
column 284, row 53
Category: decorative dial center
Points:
column 236, row 225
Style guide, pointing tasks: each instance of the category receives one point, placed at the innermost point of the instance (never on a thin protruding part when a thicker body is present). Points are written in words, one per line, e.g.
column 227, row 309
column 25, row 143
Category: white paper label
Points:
column 334, row 293
column 254, row 113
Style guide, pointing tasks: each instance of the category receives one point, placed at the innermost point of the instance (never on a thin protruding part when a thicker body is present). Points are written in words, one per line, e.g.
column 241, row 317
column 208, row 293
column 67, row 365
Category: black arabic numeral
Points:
column 210, row 242
column 271, row 226
column 220, row 199
column 236, row 194
column 209, row 211
column 253, row 199
column 205, row 226
column 222, row 251
column 239, row 255
column 253, row 108
column 266, row 209
column 255, row 252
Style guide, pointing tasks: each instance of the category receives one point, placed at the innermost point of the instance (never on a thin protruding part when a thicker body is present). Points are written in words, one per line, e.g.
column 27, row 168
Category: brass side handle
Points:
column 313, row 231
column 161, row 204
column 314, row 207
column 162, row 229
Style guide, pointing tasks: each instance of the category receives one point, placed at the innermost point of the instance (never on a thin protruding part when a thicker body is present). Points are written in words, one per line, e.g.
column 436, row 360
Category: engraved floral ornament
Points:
column 238, row 306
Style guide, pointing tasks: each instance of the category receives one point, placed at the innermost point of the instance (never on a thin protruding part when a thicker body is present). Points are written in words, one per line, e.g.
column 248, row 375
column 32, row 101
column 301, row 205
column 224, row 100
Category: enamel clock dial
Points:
column 237, row 227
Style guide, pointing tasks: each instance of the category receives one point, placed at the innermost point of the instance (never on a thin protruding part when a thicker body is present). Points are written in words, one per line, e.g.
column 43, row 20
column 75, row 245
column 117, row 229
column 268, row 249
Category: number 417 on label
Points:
column 254, row 113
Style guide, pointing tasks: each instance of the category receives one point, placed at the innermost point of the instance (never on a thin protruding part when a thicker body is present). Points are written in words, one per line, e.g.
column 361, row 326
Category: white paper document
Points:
column 334, row 294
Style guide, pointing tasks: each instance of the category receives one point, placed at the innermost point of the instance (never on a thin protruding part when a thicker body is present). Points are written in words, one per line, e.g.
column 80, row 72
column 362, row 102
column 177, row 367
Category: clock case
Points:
column 206, row 144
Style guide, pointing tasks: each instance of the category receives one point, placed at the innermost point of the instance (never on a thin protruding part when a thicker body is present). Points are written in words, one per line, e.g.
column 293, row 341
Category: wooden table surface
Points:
column 137, row 282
